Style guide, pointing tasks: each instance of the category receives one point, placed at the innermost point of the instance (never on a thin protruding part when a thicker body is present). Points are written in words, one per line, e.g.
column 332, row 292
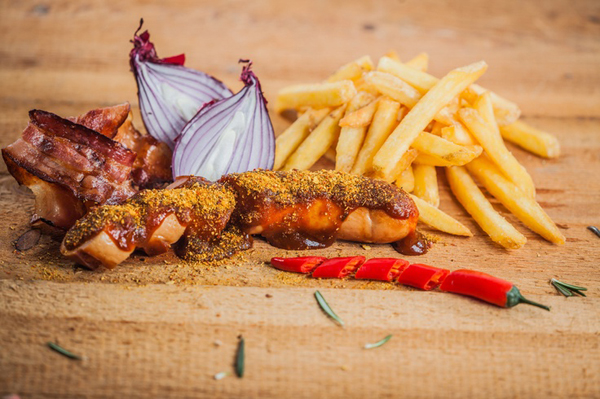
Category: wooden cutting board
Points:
column 155, row 327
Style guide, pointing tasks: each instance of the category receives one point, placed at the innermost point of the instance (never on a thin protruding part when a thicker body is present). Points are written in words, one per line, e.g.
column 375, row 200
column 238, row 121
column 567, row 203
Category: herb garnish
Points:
column 594, row 230
column 567, row 289
column 62, row 351
column 239, row 359
column 379, row 343
column 325, row 306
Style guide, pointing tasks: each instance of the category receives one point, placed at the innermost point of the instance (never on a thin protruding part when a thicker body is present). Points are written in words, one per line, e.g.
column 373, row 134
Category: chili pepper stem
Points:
column 522, row 299
column 514, row 297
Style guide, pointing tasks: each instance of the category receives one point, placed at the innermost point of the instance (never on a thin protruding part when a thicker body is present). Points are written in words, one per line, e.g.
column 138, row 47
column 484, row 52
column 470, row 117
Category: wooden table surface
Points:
column 159, row 328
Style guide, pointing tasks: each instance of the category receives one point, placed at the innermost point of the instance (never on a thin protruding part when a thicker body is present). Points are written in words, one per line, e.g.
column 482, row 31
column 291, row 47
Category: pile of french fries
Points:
column 398, row 123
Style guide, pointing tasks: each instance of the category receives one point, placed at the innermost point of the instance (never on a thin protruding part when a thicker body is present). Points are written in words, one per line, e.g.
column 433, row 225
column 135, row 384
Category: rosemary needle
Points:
column 327, row 309
column 379, row 343
column 239, row 359
column 594, row 230
column 567, row 289
column 62, row 351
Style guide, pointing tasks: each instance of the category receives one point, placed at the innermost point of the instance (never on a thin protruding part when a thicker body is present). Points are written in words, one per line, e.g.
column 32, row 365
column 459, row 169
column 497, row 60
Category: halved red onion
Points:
column 232, row 135
column 169, row 93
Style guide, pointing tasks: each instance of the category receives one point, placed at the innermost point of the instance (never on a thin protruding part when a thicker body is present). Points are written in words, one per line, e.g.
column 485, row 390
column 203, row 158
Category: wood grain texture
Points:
column 149, row 328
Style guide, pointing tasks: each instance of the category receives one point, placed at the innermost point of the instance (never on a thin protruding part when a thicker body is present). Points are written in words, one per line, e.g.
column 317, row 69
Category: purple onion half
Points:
column 169, row 93
column 232, row 135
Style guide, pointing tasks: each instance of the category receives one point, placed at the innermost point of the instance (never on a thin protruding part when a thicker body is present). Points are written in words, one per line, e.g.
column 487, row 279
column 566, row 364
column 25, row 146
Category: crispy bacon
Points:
column 93, row 159
column 105, row 121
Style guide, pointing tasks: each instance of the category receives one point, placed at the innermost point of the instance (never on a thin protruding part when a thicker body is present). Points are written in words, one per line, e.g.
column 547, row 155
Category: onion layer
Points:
column 169, row 93
column 232, row 135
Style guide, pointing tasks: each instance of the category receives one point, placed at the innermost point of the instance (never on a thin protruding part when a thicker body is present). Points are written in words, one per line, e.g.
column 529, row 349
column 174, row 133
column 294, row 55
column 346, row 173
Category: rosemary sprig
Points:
column 379, row 343
column 62, row 351
column 594, row 230
column 567, row 289
column 239, row 359
column 327, row 309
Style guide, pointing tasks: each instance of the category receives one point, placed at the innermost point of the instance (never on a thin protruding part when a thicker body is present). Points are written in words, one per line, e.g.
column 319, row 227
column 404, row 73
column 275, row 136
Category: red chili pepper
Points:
column 302, row 264
column 487, row 288
column 338, row 267
column 382, row 269
column 423, row 277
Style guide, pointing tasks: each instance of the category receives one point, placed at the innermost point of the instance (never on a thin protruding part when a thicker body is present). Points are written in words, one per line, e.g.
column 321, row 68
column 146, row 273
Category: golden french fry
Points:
column 421, row 114
column 437, row 127
column 419, row 80
column 393, row 87
column 316, row 96
column 505, row 111
column 426, row 185
column 406, row 180
column 525, row 208
column 531, row 139
column 483, row 105
column 420, row 62
column 438, row 147
column 393, row 55
column 317, row 143
column 406, row 161
column 425, row 159
column 494, row 146
column 353, row 70
column 439, row 220
column 384, row 121
column 330, row 154
column 472, row 199
column 362, row 117
column 351, row 138
column 287, row 142
column 457, row 134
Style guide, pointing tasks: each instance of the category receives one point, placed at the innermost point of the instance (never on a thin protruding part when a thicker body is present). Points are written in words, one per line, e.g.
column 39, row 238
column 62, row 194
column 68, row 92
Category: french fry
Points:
column 425, row 159
column 384, row 121
column 494, row 146
column 505, row 111
column 353, row 70
column 316, row 96
column 525, row 208
column 472, row 199
column 419, row 80
column 457, row 134
column 426, row 185
column 330, row 154
column 483, row 105
column 393, row 55
column 421, row 114
column 393, row 87
column 439, row 220
column 361, row 117
column 287, row 142
column 406, row 180
column 419, row 62
column 406, row 160
column 430, row 144
column 317, row 143
column 437, row 128
column 351, row 138
column 531, row 139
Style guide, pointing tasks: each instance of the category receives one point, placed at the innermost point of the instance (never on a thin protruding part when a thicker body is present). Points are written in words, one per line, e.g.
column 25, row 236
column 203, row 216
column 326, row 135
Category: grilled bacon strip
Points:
column 93, row 159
